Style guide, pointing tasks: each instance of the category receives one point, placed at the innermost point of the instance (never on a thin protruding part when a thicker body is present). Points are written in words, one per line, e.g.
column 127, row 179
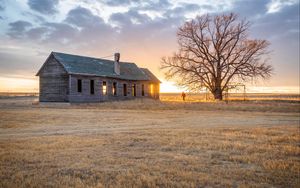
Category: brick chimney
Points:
column 117, row 63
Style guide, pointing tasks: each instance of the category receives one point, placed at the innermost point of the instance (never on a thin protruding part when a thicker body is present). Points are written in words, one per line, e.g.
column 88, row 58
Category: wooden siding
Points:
column 86, row 96
column 53, row 82
column 155, row 90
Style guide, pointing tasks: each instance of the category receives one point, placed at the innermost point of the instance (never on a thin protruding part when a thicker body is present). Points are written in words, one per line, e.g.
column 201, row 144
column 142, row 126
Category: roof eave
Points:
column 105, row 76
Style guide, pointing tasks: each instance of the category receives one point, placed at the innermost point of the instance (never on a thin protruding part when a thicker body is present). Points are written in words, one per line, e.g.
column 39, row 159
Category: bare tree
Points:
column 215, row 51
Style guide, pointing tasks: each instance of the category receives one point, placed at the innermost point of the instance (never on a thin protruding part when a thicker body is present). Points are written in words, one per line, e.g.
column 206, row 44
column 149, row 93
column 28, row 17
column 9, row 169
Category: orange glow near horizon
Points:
column 12, row 85
column 18, row 85
column 169, row 87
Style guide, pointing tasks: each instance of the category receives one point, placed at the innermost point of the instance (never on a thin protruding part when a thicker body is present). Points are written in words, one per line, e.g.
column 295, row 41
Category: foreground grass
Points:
column 149, row 144
column 157, row 158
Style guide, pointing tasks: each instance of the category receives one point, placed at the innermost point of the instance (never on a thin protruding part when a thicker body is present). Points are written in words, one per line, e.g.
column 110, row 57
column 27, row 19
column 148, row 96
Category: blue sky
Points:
column 142, row 31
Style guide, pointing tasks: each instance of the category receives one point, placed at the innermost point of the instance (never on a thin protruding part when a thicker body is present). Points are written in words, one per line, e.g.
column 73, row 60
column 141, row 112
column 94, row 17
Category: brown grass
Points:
column 146, row 143
column 232, row 97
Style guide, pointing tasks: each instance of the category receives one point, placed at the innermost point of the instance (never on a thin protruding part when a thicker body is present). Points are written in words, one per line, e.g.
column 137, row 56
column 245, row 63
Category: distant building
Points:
column 72, row 78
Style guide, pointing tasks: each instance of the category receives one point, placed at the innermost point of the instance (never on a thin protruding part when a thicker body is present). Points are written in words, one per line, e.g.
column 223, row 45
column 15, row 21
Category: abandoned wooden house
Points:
column 72, row 78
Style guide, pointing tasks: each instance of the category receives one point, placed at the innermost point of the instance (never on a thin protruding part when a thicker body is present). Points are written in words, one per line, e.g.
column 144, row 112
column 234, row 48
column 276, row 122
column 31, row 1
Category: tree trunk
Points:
column 218, row 94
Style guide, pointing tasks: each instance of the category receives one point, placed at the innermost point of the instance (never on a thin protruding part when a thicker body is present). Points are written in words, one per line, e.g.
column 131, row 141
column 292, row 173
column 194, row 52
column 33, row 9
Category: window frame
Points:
column 143, row 90
column 133, row 90
column 124, row 90
column 79, row 85
column 104, row 88
column 92, row 87
column 114, row 88
column 151, row 89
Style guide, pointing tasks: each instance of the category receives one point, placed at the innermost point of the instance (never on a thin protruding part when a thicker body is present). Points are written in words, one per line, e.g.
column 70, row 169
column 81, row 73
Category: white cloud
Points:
column 277, row 5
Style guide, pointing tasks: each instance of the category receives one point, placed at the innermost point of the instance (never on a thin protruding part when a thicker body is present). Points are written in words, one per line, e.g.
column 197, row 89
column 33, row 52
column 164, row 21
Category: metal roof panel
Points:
column 100, row 67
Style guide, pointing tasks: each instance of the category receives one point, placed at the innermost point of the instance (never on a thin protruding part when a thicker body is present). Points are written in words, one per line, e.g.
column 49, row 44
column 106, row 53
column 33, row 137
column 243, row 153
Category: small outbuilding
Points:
column 73, row 78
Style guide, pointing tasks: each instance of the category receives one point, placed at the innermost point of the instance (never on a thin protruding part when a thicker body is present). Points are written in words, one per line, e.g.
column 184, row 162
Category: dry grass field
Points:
column 146, row 143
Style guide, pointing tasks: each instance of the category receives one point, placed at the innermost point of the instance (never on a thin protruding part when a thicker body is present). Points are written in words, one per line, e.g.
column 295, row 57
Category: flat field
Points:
column 147, row 143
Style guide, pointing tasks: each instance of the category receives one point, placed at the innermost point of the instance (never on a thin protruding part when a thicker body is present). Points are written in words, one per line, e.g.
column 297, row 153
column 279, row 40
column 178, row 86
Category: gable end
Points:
column 50, row 58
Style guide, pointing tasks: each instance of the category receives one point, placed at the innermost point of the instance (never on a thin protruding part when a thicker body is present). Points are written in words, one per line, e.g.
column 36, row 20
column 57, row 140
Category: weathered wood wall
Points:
column 156, row 90
column 98, row 96
column 53, row 82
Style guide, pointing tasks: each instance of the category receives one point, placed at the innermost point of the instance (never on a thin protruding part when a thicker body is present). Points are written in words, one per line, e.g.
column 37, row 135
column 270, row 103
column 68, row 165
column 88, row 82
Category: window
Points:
column 133, row 90
column 114, row 89
column 143, row 90
column 92, row 90
column 104, row 89
column 124, row 89
column 79, row 85
column 151, row 89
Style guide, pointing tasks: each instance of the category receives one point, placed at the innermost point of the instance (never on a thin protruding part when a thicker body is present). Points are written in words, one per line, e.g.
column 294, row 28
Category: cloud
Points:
column 18, row 28
column 128, row 18
column 37, row 33
column 277, row 5
column 272, row 26
column 145, row 5
column 33, row 16
column 156, row 5
column 265, row 25
column 43, row 6
column 118, row 2
column 92, row 28
column 82, row 17
column 2, row 5
column 182, row 10
column 59, row 33
column 17, row 61
column 138, row 31
column 251, row 9
column 135, row 15
column 80, row 28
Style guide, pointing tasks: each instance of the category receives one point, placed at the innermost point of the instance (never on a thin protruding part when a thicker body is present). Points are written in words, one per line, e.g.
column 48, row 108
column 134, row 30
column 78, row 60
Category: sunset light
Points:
column 169, row 87
column 149, row 93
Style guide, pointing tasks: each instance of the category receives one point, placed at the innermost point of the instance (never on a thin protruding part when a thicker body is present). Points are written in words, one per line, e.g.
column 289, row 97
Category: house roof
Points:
column 75, row 64
column 150, row 75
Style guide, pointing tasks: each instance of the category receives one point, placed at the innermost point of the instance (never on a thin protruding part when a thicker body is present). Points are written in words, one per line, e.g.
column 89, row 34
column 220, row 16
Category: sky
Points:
column 143, row 31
